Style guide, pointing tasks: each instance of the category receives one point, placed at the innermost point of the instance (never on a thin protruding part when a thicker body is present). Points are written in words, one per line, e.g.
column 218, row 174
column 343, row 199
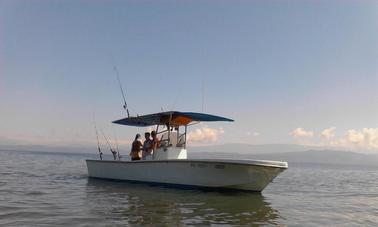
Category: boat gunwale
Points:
column 263, row 163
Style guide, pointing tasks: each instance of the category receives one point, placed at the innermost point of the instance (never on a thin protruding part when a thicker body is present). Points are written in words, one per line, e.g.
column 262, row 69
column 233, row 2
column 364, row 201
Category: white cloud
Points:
column 355, row 137
column 328, row 133
column 363, row 139
column 253, row 133
column 366, row 138
column 205, row 135
column 300, row 132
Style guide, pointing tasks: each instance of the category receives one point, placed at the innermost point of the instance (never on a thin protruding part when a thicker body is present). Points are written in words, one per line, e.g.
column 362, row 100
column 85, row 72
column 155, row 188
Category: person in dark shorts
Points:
column 155, row 141
column 136, row 148
column 147, row 146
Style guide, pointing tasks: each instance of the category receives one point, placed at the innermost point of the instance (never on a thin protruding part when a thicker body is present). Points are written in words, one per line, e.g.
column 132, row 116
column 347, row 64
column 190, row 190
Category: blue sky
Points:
column 284, row 70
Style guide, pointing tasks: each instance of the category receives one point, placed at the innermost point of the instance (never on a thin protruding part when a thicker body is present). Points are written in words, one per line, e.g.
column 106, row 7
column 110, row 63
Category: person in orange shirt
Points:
column 136, row 148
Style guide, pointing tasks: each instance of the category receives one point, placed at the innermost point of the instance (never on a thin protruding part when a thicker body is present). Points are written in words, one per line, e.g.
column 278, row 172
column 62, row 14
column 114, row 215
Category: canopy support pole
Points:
column 186, row 128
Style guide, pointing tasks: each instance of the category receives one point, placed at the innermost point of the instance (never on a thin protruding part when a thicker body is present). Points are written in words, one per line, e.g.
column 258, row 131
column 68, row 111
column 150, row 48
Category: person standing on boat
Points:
column 155, row 141
column 147, row 146
column 135, row 148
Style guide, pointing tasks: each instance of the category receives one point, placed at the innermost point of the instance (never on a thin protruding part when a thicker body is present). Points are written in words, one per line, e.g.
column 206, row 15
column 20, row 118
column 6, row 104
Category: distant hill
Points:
column 61, row 149
column 310, row 156
column 226, row 148
column 241, row 148
column 279, row 152
column 326, row 157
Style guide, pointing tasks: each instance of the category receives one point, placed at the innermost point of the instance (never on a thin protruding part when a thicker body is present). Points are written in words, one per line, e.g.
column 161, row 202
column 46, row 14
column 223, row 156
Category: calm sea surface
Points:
column 41, row 189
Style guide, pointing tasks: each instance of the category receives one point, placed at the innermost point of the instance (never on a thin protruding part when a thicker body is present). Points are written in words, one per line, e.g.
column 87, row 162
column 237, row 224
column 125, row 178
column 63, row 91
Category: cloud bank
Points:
column 366, row 138
column 300, row 132
column 328, row 133
column 252, row 134
column 205, row 135
column 355, row 139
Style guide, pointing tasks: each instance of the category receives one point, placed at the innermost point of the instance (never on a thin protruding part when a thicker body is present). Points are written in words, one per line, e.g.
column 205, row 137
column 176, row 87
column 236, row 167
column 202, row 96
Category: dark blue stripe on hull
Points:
column 177, row 186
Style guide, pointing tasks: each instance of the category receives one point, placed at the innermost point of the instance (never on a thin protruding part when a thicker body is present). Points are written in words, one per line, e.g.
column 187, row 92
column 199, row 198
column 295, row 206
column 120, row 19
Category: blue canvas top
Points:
column 174, row 118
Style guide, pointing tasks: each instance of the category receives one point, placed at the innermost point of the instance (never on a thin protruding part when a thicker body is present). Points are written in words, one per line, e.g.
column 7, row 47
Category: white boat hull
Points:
column 228, row 174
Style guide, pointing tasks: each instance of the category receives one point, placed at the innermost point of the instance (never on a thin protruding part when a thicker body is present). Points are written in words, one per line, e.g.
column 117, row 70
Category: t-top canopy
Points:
column 174, row 118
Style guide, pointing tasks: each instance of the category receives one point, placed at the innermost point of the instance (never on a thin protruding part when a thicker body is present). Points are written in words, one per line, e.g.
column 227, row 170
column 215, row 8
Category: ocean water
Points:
column 42, row 189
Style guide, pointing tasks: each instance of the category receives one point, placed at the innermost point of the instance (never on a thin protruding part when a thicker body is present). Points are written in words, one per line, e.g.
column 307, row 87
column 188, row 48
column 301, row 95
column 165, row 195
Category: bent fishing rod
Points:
column 114, row 152
column 98, row 142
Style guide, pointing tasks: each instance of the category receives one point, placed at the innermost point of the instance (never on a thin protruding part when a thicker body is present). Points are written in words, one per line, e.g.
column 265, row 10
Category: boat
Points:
column 170, row 165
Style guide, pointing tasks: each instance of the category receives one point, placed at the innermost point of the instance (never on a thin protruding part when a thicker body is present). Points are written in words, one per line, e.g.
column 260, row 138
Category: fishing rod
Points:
column 98, row 142
column 114, row 152
column 120, row 86
column 116, row 142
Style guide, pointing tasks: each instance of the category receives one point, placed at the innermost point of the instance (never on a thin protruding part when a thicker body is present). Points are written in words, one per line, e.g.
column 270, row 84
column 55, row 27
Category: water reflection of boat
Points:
column 139, row 204
column 170, row 165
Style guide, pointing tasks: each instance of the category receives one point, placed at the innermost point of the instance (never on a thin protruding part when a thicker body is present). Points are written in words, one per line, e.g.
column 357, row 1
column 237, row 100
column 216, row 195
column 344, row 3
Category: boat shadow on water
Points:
column 146, row 204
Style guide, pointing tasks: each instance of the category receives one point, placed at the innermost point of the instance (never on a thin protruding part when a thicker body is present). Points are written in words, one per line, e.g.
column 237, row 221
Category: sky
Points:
column 293, row 72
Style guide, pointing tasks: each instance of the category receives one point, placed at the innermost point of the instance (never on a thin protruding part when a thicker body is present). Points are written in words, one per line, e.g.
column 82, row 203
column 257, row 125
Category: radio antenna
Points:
column 203, row 93
column 120, row 86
